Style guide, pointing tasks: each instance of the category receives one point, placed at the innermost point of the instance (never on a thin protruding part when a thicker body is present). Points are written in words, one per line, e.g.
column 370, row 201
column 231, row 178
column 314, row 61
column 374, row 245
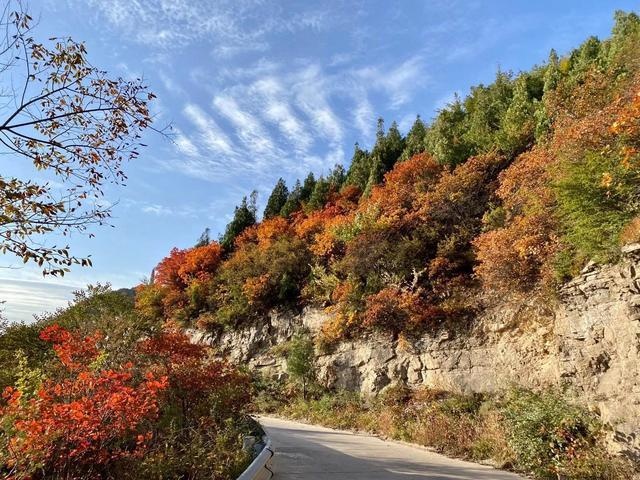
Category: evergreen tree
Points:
column 301, row 361
column 337, row 177
column 277, row 199
column 552, row 72
column 582, row 59
column 393, row 147
column 319, row 196
column 376, row 174
column 293, row 200
column 307, row 187
column 485, row 107
column 359, row 169
column 551, row 78
column 244, row 216
column 445, row 139
column 204, row 239
column 518, row 124
column 415, row 141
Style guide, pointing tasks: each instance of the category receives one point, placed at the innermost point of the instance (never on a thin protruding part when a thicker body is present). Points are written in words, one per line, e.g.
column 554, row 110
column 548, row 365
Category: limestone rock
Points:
column 588, row 343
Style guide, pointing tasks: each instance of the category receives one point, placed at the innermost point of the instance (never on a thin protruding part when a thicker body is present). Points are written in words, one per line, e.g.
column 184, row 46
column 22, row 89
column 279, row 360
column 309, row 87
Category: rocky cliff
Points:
column 588, row 343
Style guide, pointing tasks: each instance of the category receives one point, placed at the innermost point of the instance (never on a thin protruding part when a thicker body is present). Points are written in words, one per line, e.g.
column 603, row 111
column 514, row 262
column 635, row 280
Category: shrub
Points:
column 81, row 416
column 596, row 199
column 550, row 436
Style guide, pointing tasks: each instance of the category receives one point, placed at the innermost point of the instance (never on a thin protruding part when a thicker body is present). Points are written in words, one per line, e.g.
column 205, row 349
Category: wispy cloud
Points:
column 277, row 109
column 230, row 26
column 399, row 82
column 247, row 127
column 210, row 133
column 25, row 298
column 312, row 97
column 185, row 145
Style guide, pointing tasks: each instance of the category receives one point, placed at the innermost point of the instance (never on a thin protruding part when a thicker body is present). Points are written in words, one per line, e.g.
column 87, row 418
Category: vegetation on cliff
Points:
column 511, row 189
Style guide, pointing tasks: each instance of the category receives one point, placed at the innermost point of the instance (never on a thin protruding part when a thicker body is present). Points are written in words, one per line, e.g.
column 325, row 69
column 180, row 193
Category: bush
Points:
column 596, row 199
column 550, row 436
column 159, row 414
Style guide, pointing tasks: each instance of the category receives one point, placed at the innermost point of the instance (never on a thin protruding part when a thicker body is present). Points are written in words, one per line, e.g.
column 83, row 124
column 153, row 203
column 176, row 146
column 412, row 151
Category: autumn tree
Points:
column 84, row 418
column 76, row 125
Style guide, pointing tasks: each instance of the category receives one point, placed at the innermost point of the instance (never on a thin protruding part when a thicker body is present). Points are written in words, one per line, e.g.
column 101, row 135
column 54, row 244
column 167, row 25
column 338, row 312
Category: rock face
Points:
column 589, row 344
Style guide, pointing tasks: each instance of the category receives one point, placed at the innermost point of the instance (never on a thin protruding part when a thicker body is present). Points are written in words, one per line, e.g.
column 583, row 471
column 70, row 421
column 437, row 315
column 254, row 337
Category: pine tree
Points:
column 337, row 177
column 376, row 174
column 551, row 78
column 277, row 199
column 319, row 195
column 445, row 139
column 293, row 200
column 204, row 239
column 518, row 124
column 244, row 216
column 307, row 187
column 358, row 173
column 415, row 140
column 393, row 147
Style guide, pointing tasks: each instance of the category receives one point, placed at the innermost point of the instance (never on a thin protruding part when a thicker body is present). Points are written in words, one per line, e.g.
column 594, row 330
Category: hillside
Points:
column 510, row 191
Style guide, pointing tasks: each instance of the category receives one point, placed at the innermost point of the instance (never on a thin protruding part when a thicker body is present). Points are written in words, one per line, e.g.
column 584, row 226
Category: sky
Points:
column 255, row 90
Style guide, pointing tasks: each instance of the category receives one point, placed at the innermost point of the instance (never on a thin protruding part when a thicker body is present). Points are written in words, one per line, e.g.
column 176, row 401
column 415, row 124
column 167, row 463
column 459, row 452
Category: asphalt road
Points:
column 316, row 453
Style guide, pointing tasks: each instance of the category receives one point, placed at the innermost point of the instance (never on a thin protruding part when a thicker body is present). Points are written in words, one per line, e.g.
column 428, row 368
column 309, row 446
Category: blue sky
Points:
column 256, row 90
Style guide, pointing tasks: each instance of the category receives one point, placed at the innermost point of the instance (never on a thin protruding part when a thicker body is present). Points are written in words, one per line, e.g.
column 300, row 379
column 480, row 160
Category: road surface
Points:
column 316, row 453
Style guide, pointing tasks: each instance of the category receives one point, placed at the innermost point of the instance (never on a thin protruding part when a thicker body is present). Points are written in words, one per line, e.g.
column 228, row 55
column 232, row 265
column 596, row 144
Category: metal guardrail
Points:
column 260, row 468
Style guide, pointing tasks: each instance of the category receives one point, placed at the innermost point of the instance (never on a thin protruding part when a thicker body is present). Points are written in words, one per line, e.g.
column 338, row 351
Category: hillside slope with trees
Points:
column 510, row 190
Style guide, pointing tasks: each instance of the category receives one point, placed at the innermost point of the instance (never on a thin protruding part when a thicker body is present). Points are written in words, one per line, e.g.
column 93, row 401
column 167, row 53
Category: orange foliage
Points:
column 200, row 262
column 72, row 350
column 396, row 310
column 627, row 126
column 167, row 271
column 255, row 288
column 183, row 266
column 271, row 229
column 89, row 418
column 517, row 255
column 248, row 236
column 191, row 376
column 404, row 187
column 318, row 227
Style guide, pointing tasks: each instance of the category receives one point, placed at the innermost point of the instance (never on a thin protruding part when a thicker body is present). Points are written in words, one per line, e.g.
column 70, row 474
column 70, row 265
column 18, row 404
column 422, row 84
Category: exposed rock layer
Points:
column 589, row 343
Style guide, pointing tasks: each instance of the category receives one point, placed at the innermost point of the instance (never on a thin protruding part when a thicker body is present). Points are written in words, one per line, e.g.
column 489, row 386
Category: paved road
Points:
column 316, row 453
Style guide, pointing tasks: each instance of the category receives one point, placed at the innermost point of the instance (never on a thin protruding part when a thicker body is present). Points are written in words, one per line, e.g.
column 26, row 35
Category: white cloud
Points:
column 364, row 117
column 277, row 109
column 24, row 298
column 247, row 127
column 399, row 82
column 210, row 133
column 159, row 210
column 185, row 145
column 231, row 26
column 312, row 98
